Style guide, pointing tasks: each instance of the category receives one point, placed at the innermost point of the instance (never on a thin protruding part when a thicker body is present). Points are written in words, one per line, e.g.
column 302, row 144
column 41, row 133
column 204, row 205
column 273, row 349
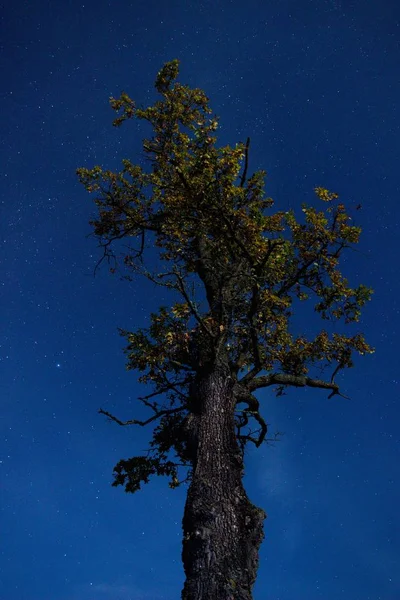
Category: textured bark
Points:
column 222, row 528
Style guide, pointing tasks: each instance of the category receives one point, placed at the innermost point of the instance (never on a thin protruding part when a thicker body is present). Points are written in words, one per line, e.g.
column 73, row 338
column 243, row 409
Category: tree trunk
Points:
column 222, row 529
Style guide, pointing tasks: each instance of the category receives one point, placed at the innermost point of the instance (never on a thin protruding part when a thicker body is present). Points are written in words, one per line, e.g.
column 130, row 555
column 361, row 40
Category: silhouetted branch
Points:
column 252, row 410
column 246, row 161
column 293, row 380
column 142, row 423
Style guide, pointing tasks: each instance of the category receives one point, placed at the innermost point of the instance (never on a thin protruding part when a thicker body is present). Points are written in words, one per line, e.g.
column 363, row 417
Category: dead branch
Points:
column 246, row 161
column 159, row 414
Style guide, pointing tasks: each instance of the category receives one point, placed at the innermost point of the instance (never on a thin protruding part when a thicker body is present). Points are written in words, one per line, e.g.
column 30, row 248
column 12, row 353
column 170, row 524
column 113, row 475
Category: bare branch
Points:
column 107, row 254
column 255, row 298
column 106, row 245
column 193, row 309
column 339, row 366
column 246, row 161
column 253, row 410
column 172, row 385
column 292, row 380
column 142, row 423
column 169, row 386
column 156, row 278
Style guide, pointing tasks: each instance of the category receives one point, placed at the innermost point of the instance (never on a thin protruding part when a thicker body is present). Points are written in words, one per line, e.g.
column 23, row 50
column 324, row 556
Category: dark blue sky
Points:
column 316, row 85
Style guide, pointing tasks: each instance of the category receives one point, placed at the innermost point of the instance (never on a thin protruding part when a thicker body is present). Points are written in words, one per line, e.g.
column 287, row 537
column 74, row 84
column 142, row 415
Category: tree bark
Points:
column 222, row 529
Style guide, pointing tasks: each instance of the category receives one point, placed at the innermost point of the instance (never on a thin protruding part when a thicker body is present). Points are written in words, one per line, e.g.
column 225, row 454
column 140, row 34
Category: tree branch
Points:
column 246, row 161
column 253, row 409
column 237, row 241
column 142, row 423
column 193, row 309
column 293, row 380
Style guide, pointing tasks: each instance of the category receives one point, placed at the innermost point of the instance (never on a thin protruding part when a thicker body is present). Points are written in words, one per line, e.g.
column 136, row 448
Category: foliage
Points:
column 239, row 268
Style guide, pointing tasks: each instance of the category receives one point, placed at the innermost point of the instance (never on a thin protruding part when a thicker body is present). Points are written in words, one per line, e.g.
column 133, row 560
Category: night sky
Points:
column 316, row 86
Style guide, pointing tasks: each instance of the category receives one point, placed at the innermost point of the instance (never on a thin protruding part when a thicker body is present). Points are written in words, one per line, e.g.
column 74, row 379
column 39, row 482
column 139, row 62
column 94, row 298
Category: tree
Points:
column 236, row 270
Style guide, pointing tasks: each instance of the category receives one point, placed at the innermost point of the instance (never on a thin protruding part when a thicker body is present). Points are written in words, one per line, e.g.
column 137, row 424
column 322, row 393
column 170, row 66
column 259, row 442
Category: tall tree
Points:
column 235, row 269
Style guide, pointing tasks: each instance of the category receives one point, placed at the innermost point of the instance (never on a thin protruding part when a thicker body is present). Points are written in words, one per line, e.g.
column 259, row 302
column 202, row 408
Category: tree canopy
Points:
column 237, row 269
